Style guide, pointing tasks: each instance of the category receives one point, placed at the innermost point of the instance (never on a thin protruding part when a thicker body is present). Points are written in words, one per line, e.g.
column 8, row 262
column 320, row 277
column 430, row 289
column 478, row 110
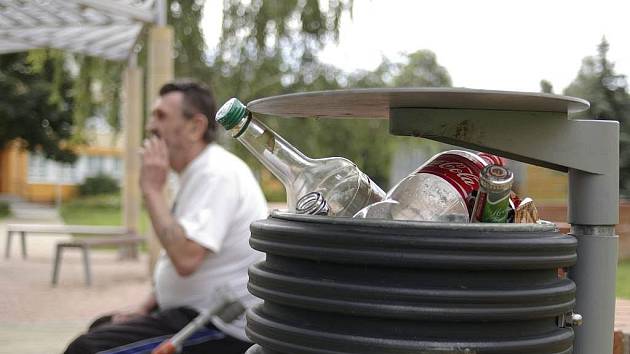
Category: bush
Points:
column 100, row 184
column 5, row 210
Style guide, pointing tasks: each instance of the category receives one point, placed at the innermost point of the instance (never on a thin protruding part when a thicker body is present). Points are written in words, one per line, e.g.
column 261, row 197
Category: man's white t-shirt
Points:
column 217, row 200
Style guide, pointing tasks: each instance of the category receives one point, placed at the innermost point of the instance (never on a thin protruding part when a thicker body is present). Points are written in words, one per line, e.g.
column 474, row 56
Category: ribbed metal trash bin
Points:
column 342, row 285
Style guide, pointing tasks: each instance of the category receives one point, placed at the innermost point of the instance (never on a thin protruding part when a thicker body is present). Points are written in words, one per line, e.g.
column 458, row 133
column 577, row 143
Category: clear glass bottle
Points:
column 344, row 187
column 312, row 203
column 439, row 190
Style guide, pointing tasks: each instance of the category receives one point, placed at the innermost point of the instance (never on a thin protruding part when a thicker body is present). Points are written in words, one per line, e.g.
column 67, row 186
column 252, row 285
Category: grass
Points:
column 623, row 280
column 5, row 209
column 98, row 210
column 102, row 210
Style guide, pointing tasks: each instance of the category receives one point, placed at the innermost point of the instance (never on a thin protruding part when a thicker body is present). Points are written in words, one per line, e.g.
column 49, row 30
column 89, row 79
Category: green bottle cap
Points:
column 231, row 113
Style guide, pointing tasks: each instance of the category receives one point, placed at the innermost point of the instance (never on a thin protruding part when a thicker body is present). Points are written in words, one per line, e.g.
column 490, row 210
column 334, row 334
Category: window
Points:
column 36, row 168
column 95, row 165
column 43, row 170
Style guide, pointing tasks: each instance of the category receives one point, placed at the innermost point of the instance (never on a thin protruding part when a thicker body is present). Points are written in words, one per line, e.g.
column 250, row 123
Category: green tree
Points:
column 607, row 92
column 189, row 46
column 28, row 109
column 417, row 69
column 421, row 69
column 95, row 89
column 546, row 86
column 270, row 47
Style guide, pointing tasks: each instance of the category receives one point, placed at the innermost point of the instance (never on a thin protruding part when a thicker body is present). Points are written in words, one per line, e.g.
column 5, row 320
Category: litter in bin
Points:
column 439, row 190
column 493, row 198
column 526, row 212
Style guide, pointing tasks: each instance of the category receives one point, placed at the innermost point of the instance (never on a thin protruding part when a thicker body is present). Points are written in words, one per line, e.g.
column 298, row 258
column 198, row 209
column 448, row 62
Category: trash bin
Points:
column 343, row 285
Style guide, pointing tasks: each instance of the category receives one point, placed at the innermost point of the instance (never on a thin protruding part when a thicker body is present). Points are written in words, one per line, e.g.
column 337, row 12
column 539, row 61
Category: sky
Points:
column 484, row 44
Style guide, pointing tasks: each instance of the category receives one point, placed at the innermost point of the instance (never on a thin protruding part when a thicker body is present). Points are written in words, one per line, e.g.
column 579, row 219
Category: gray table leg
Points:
column 23, row 236
column 7, row 249
column 55, row 275
column 86, row 263
column 128, row 252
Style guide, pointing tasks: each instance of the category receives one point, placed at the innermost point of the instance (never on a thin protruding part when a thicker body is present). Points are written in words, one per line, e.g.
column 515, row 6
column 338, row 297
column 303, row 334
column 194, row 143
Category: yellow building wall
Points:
column 545, row 186
column 3, row 171
column 14, row 173
column 13, row 168
column 99, row 151
column 48, row 192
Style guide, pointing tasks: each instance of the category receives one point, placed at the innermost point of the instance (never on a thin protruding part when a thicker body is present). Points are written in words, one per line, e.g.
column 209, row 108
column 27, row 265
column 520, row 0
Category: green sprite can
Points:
column 493, row 199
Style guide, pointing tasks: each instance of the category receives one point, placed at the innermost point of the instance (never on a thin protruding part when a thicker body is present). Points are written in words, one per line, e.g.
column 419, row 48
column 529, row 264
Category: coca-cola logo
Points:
column 454, row 166
column 462, row 171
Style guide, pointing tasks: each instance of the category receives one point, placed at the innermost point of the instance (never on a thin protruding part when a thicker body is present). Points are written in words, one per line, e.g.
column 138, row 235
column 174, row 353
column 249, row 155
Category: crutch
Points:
column 226, row 306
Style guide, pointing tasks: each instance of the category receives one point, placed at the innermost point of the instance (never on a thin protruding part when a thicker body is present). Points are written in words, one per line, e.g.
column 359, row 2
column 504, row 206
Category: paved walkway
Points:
column 36, row 318
column 622, row 315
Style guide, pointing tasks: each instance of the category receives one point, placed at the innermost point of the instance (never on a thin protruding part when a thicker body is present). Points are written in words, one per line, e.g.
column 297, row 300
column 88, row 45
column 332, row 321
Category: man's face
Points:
column 167, row 122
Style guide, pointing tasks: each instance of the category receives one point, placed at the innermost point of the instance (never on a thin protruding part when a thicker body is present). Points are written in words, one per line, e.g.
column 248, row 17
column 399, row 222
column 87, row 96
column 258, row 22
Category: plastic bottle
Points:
column 344, row 187
column 439, row 190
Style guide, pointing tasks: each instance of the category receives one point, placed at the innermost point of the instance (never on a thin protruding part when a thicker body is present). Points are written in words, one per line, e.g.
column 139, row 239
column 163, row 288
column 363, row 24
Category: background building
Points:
column 35, row 178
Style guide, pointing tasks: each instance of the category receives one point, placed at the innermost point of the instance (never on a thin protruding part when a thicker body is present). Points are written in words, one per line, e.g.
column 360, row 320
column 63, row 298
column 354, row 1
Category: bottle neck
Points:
column 276, row 154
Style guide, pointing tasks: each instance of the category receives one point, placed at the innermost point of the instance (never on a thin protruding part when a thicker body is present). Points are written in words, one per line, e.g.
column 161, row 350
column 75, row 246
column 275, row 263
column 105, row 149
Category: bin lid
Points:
column 376, row 102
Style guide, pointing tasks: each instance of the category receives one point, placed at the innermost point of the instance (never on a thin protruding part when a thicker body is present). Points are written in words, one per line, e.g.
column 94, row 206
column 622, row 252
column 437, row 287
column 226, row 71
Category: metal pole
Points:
column 161, row 12
column 594, row 275
column 593, row 213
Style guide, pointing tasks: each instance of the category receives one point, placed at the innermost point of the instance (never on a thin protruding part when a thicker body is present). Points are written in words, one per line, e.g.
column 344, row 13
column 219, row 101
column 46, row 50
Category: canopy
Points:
column 102, row 28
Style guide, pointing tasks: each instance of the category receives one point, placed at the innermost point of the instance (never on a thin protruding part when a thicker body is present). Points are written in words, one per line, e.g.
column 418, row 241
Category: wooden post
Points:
column 132, row 119
column 160, row 70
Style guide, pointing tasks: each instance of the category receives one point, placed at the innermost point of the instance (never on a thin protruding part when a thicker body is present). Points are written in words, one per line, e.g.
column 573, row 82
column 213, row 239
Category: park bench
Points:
column 100, row 236
column 84, row 244
column 43, row 229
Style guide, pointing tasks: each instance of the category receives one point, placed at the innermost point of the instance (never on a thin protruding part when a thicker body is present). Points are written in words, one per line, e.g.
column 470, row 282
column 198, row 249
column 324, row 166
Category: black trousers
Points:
column 143, row 334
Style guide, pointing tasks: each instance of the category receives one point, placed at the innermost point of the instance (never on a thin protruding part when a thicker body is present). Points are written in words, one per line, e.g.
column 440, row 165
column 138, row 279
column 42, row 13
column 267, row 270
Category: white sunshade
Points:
column 101, row 28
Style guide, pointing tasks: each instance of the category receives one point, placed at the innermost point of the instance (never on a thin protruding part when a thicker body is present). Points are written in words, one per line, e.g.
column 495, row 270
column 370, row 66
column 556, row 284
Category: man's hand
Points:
column 142, row 309
column 155, row 165
column 127, row 315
